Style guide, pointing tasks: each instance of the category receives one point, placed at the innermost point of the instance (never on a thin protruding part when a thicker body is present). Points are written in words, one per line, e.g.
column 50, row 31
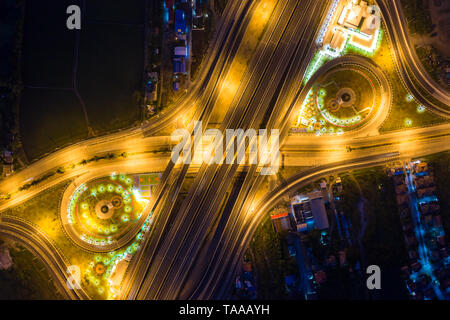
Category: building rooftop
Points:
column 309, row 211
column 338, row 40
column 370, row 25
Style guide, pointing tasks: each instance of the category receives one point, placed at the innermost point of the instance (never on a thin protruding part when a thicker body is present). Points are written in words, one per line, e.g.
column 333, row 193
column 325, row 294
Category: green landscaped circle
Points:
column 103, row 210
column 342, row 99
column 350, row 98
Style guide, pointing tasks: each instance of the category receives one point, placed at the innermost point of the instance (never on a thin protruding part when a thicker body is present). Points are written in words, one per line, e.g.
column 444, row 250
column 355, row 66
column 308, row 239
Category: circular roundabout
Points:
column 344, row 95
column 102, row 212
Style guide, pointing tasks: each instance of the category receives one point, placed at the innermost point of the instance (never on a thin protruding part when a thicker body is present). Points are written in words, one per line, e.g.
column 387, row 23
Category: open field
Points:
column 418, row 14
column 81, row 81
column 383, row 229
column 111, row 59
column 49, row 118
column 48, row 50
column 9, row 14
column 130, row 11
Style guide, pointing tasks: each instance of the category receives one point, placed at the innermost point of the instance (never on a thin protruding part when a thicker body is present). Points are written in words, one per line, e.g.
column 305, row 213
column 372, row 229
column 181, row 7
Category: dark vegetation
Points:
column 418, row 15
column 11, row 25
column 383, row 238
column 28, row 279
column 271, row 262
column 440, row 166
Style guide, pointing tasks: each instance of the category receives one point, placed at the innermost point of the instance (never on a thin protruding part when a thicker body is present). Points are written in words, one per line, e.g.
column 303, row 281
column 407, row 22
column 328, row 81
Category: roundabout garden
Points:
column 342, row 99
column 101, row 212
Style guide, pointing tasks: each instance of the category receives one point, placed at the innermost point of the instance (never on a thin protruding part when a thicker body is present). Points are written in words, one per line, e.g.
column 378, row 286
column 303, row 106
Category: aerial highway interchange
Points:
column 199, row 236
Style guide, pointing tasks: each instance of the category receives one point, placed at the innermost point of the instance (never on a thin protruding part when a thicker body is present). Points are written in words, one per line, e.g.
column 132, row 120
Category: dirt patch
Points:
column 440, row 16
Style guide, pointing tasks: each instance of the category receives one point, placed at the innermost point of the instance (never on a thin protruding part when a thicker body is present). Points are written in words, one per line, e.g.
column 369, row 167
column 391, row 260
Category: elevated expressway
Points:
column 343, row 153
column 171, row 258
column 327, row 156
column 222, row 50
column 230, row 31
column 133, row 140
column 233, row 230
column 237, row 16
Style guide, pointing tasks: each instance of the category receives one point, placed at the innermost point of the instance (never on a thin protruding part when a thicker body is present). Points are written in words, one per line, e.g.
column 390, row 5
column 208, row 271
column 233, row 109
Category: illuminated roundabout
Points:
column 103, row 214
column 345, row 94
